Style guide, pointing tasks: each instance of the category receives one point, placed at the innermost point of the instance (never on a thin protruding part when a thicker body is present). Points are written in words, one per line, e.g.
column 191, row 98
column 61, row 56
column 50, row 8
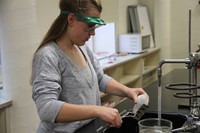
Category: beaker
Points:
column 155, row 125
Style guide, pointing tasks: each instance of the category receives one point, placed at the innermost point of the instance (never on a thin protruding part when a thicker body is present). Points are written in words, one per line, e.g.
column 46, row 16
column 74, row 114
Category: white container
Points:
column 141, row 99
column 134, row 43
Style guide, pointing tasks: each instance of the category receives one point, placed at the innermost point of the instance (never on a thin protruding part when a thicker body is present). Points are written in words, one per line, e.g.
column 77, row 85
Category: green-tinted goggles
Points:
column 86, row 19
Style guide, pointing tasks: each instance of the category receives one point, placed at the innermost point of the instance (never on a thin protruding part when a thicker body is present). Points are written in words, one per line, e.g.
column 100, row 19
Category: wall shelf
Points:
column 132, row 70
column 148, row 69
column 126, row 79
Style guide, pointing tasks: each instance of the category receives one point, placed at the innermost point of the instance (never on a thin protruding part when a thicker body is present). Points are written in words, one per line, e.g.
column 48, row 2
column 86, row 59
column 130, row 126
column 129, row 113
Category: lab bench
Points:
column 170, row 104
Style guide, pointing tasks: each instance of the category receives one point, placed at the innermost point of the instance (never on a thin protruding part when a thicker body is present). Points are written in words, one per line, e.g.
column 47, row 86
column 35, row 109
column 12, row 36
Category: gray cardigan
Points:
column 56, row 80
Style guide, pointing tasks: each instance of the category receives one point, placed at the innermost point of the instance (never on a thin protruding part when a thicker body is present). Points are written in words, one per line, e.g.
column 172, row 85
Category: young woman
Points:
column 66, row 78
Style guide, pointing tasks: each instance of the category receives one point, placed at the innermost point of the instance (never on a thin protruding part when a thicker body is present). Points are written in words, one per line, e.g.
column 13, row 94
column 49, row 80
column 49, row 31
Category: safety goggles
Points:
column 92, row 21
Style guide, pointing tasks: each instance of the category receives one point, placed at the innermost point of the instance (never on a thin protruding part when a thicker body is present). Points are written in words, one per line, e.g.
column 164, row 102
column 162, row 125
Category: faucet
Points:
column 193, row 62
column 186, row 61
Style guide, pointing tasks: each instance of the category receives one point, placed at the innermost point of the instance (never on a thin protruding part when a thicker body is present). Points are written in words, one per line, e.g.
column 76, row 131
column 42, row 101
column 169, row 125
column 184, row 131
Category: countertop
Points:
column 4, row 103
column 169, row 102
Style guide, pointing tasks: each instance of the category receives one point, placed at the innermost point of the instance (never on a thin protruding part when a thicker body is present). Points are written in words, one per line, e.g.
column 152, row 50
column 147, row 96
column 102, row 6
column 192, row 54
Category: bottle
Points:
column 141, row 99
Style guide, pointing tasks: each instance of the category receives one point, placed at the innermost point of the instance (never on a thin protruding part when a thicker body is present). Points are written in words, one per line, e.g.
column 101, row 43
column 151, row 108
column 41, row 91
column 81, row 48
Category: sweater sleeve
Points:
column 103, row 79
column 46, row 85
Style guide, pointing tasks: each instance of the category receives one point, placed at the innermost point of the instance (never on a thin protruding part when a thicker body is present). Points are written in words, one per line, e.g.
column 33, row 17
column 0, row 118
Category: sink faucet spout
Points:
column 186, row 61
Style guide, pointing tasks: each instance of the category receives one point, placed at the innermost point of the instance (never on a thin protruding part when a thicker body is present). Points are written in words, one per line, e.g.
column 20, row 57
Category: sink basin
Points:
column 177, row 119
column 130, row 125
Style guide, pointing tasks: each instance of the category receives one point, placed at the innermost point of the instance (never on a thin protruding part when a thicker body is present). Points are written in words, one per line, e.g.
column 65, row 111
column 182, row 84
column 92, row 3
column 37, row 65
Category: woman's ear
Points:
column 71, row 19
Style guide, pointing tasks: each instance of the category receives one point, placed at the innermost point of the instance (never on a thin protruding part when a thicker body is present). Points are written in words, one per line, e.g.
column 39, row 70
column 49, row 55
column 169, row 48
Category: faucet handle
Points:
column 190, row 125
column 194, row 111
column 190, row 120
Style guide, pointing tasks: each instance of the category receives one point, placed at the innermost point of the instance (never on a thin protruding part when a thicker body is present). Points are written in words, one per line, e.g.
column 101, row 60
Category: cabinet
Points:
column 4, row 104
column 2, row 121
column 133, row 70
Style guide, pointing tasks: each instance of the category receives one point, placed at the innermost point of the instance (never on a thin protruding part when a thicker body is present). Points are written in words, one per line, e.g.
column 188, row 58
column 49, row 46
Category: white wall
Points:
column 46, row 11
column 180, row 28
column 162, row 30
column 116, row 11
column 24, row 24
column 170, row 20
column 175, row 28
column 19, row 34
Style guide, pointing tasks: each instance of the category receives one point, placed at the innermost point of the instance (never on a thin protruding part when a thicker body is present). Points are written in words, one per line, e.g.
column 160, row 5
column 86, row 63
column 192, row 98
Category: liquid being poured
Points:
column 159, row 102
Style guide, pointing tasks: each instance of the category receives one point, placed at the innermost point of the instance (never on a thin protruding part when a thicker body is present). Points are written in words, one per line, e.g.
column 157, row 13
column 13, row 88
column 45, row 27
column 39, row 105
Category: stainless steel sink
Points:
column 130, row 125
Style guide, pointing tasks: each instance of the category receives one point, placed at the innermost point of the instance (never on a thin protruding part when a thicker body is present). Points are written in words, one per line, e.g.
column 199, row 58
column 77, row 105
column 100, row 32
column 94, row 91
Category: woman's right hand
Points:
column 110, row 115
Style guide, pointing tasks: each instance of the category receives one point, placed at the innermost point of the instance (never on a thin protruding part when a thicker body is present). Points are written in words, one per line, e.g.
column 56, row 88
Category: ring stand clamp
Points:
column 183, row 87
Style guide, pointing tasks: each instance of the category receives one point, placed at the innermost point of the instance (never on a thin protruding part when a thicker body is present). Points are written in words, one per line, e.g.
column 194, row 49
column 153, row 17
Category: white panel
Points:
column 144, row 22
column 105, row 39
